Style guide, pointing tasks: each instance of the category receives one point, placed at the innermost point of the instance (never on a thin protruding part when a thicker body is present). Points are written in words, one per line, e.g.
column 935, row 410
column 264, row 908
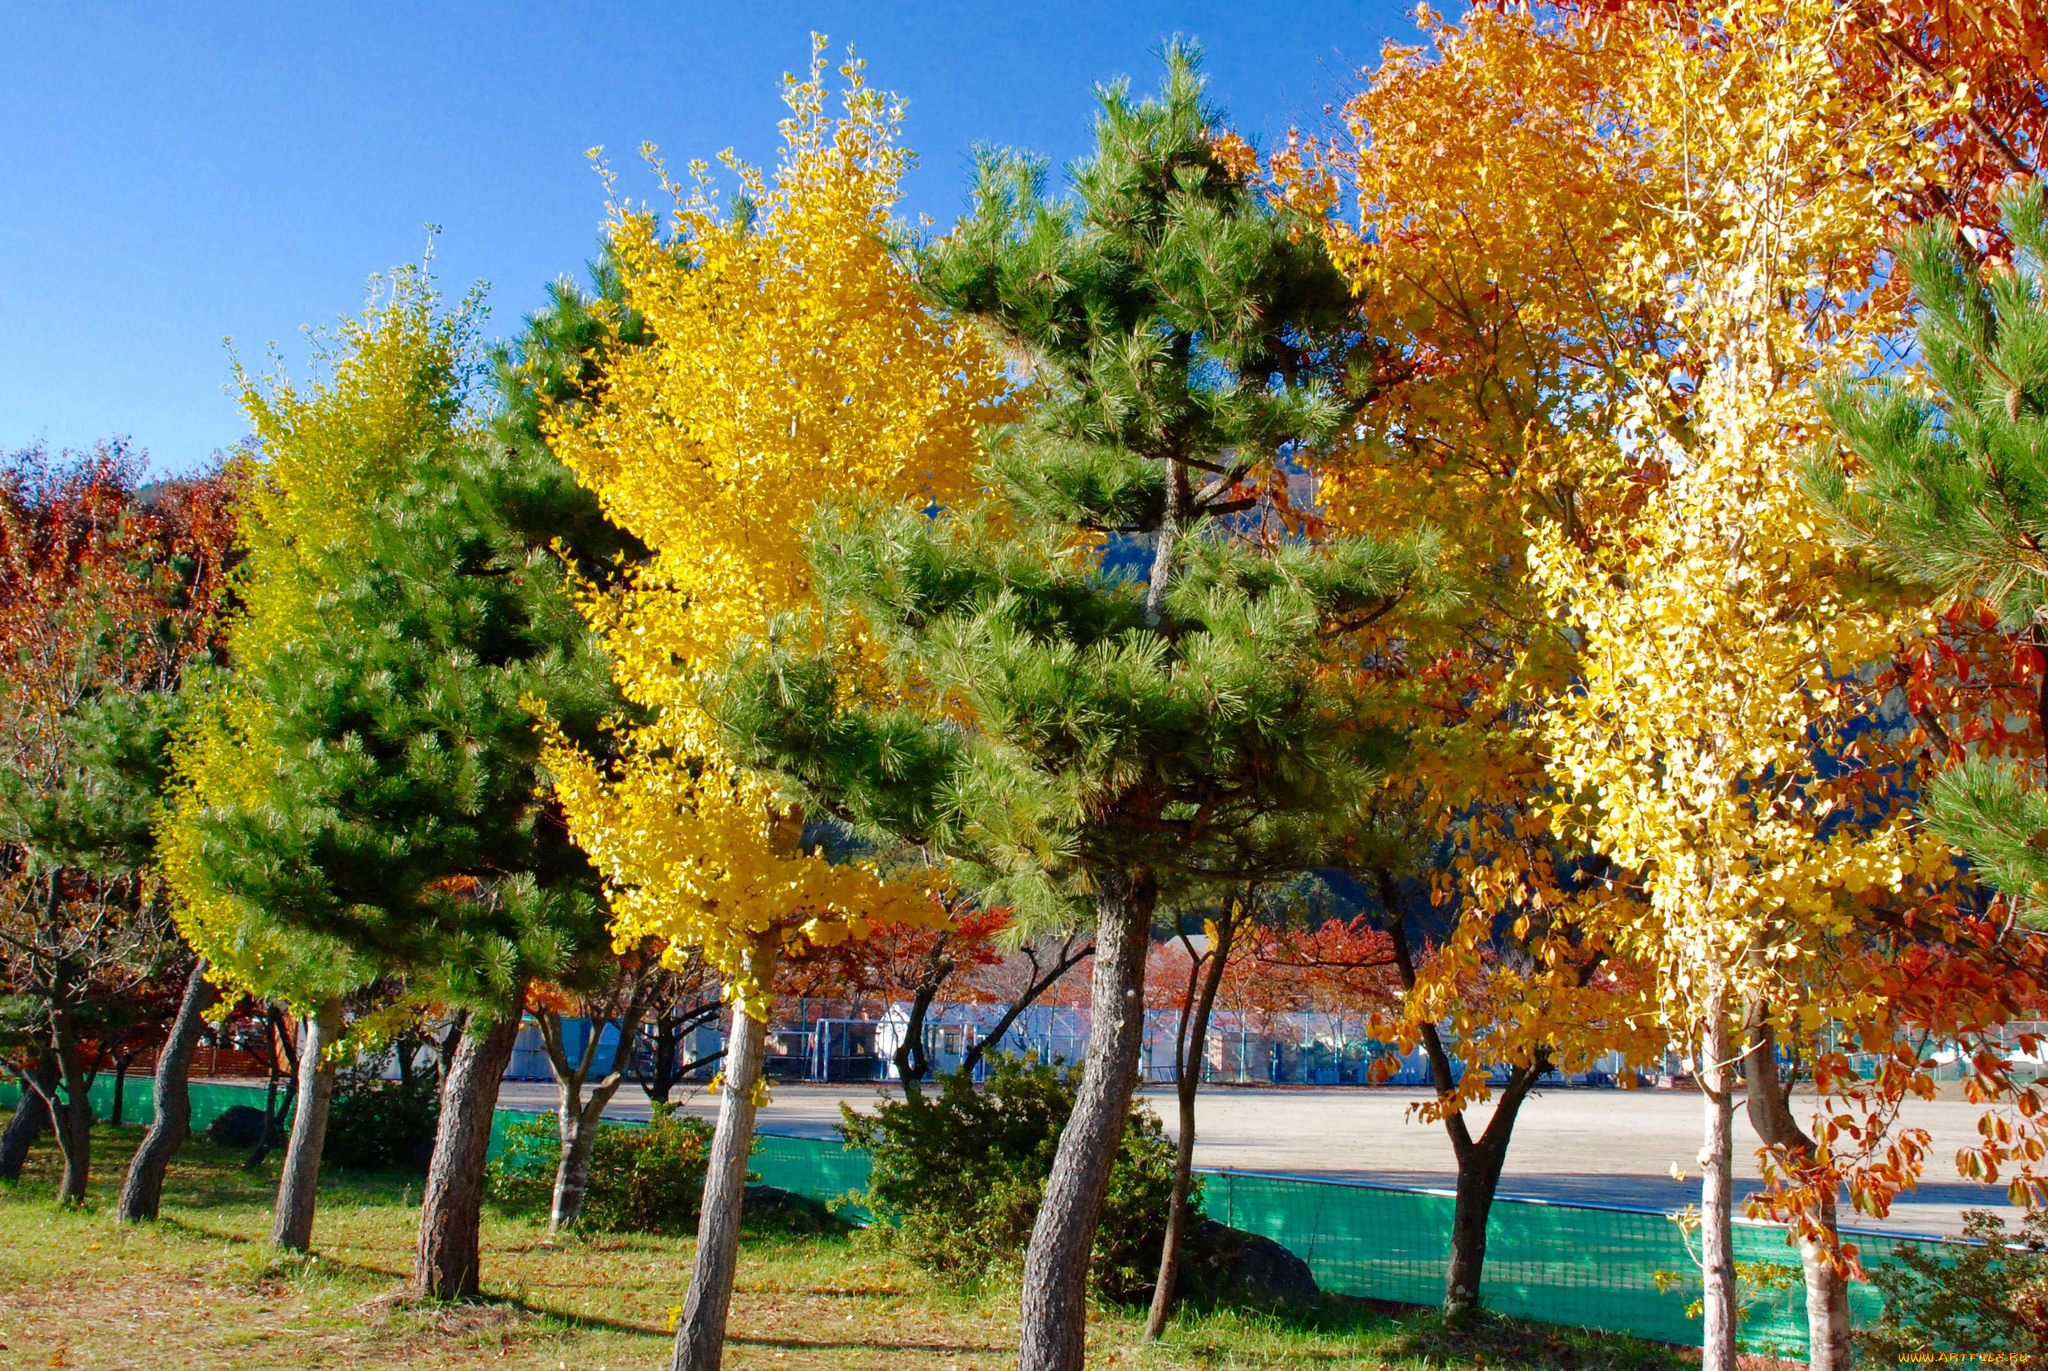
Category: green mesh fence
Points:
column 820, row 1168
column 138, row 1099
column 1617, row 1270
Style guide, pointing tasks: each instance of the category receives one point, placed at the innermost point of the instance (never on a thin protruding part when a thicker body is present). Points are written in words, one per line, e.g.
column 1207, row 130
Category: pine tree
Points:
column 555, row 367
column 1951, row 492
column 389, row 688
column 1075, row 732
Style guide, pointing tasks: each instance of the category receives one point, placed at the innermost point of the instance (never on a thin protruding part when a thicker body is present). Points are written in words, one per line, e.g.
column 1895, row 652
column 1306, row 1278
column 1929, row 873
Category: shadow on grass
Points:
column 1405, row 1333
column 1425, row 1334
column 440, row 1310
column 872, row 1345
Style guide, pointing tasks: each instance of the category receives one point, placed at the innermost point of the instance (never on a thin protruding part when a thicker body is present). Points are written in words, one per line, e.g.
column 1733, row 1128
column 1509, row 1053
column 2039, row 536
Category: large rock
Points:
column 240, row 1126
column 765, row 1209
column 1228, row 1266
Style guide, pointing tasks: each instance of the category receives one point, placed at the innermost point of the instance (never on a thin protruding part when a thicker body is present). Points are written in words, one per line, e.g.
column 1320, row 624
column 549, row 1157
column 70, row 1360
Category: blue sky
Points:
column 174, row 174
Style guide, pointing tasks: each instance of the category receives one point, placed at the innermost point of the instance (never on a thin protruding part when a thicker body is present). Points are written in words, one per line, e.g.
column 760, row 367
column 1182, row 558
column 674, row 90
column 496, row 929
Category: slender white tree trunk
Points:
column 1717, row 1198
column 700, row 1336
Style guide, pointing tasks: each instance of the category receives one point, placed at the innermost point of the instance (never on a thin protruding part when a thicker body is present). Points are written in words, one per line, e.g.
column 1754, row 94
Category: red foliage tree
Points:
column 903, row 964
column 108, row 590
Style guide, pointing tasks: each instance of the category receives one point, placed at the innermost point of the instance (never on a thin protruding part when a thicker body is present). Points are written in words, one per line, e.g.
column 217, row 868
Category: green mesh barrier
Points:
column 505, row 1118
column 138, row 1099
column 819, row 1168
column 1616, row 1270
column 1582, row 1265
column 1579, row 1265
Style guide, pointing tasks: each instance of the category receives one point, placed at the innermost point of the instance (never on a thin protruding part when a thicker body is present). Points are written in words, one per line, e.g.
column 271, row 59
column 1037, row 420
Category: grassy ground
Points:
column 199, row 1290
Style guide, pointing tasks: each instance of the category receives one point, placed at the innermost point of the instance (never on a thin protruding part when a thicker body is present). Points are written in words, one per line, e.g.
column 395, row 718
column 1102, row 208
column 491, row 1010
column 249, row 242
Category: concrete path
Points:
column 1579, row 1146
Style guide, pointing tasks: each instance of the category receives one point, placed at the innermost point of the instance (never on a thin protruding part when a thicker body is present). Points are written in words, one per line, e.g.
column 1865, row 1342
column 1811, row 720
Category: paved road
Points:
column 1584, row 1146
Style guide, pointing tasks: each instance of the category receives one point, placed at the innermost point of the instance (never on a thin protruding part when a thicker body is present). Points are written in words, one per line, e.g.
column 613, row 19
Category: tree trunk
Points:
column 273, row 1115
column 700, row 1336
column 451, row 1037
column 74, row 1139
column 660, row 1081
column 1480, row 1160
column 1055, row 1313
column 913, row 1062
column 1480, row 1163
column 1770, row 1113
column 447, row 1259
column 70, row 1109
column 31, row 1119
column 1827, row 1300
column 1190, row 1048
column 577, row 1119
column 142, row 1195
column 402, row 1059
column 117, row 1106
column 298, row 1185
column 1717, row 1212
column 579, row 1125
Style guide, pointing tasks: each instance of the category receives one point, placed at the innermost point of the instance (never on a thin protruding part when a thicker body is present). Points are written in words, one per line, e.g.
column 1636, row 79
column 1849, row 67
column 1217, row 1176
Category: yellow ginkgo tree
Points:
column 1708, row 741
column 792, row 360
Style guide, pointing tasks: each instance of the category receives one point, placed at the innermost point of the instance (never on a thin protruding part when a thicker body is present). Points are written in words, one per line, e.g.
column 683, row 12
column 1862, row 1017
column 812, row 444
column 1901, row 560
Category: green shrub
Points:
column 1990, row 1296
column 380, row 1125
column 961, row 1173
column 642, row 1179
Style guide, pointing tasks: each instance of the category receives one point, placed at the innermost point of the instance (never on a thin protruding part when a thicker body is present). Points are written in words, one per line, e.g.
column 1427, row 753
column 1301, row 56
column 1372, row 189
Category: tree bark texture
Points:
column 143, row 1193
column 578, row 1118
column 447, row 1260
column 1480, row 1162
column 31, row 1119
column 700, row 1335
column 1055, row 1313
column 1770, row 1113
column 578, row 1125
column 1190, row 1050
column 70, row 1107
column 298, row 1185
column 1717, row 1199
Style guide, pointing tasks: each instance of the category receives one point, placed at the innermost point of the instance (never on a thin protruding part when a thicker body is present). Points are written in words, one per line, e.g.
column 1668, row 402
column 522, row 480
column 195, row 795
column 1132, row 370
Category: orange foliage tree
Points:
column 1506, row 197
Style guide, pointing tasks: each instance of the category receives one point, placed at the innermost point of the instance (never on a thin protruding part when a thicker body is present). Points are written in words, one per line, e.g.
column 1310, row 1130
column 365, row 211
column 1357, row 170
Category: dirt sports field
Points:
column 1586, row 1146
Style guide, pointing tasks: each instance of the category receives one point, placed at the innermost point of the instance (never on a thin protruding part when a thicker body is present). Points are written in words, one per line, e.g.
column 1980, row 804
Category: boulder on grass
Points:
column 769, row 1210
column 239, row 1126
column 1223, row 1266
